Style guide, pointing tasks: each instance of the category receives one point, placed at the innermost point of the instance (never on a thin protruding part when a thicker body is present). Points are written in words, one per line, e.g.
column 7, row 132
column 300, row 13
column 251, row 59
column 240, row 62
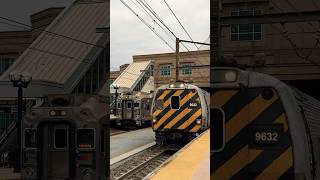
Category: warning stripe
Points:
column 196, row 128
column 164, row 118
column 177, row 118
column 259, row 111
column 163, row 93
column 278, row 167
column 239, row 121
column 168, row 101
column 221, row 97
column 190, row 120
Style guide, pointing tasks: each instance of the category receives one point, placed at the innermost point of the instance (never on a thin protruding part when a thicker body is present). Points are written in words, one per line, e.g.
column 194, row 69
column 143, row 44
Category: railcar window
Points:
column 136, row 105
column 61, row 138
column 30, row 138
column 119, row 105
column 175, row 102
column 129, row 105
column 85, row 138
column 217, row 132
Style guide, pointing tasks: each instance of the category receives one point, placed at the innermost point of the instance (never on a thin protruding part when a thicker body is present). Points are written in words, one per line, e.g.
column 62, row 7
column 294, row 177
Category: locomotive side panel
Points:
column 310, row 110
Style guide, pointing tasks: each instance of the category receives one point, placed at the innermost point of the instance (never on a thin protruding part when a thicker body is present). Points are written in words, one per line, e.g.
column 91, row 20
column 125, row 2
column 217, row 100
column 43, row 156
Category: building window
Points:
column 186, row 69
column 165, row 70
column 5, row 63
column 246, row 32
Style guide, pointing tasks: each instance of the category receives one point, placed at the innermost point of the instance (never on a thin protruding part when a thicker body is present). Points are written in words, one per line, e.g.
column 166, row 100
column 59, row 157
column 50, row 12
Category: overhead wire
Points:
column 286, row 35
column 180, row 23
column 144, row 22
column 150, row 16
column 148, row 6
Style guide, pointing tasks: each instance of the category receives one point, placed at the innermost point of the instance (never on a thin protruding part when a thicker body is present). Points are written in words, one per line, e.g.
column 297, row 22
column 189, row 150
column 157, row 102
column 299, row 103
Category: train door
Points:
column 127, row 109
column 57, row 146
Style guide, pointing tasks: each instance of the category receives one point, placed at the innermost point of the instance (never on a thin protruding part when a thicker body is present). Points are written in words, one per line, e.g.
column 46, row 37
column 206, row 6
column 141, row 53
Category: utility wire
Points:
column 149, row 15
column 180, row 23
column 144, row 22
column 145, row 3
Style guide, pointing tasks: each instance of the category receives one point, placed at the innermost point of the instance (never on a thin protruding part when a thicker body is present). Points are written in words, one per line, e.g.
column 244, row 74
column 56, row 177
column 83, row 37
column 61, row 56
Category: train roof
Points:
column 246, row 78
column 186, row 86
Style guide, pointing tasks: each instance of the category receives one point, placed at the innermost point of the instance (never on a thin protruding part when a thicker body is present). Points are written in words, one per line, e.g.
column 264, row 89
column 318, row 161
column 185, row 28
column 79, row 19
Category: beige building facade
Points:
column 288, row 51
column 14, row 43
column 193, row 67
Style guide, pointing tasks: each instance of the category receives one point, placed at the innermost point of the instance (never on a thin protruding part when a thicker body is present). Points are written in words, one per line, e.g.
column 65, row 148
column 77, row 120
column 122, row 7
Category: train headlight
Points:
column 198, row 121
column 182, row 85
column 230, row 76
column 63, row 113
column 52, row 113
column 171, row 85
column 154, row 121
column 225, row 76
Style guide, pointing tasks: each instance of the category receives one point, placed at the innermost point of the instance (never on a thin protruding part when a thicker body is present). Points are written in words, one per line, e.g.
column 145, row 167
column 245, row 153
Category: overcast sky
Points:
column 20, row 10
column 129, row 36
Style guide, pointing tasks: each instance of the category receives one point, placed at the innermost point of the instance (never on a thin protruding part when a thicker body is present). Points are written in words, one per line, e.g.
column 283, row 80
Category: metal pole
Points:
column 19, row 150
column 115, row 105
column 177, row 59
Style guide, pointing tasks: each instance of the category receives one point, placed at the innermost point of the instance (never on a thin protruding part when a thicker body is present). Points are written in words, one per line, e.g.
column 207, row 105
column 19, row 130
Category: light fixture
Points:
column 230, row 76
column 154, row 120
column 198, row 121
column 171, row 85
column 52, row 113
column 182, row 85
column 63, row 113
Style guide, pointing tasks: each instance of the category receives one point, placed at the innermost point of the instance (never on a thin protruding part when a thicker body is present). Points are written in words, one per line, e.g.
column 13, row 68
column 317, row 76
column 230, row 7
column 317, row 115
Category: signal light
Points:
column 154, row 120
column 57, row 113
column 52, row 113
column 198, row 121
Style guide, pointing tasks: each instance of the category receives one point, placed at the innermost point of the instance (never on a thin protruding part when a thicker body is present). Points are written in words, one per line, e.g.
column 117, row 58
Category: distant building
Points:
column 14, row 43
column 287, row 51
column 114, row 74
column 193, row 67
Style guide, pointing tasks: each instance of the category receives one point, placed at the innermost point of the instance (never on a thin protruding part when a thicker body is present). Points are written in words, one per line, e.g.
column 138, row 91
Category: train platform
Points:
column 8, row 174
column 192, row 162
column 126, row 142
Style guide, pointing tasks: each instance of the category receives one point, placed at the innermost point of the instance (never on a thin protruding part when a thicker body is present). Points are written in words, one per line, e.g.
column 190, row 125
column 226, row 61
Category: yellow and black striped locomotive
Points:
column 64, row 137
column 180, row 112
column 262, row 128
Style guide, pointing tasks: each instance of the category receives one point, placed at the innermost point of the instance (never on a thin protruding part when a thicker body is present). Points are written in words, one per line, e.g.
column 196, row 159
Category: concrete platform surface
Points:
column 8, row 174
column 125, row 142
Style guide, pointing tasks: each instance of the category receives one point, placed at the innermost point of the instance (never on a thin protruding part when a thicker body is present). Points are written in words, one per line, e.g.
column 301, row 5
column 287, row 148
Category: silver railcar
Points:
column 64, row 138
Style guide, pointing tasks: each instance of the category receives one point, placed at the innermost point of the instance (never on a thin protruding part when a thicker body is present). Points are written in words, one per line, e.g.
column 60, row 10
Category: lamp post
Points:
column 19, row 80
column 116, row 87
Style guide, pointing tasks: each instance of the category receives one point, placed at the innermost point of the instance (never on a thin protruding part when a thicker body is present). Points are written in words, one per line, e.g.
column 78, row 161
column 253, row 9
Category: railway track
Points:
column 141, row 164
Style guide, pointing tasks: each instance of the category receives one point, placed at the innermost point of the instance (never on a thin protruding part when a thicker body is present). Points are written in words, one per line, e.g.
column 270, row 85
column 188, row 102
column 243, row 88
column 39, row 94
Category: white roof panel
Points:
column 54, row 58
